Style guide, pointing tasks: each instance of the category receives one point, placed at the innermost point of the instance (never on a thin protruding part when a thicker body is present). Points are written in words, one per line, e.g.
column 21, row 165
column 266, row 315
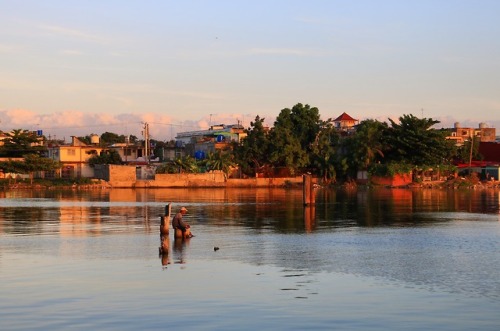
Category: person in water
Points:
column 178, row 223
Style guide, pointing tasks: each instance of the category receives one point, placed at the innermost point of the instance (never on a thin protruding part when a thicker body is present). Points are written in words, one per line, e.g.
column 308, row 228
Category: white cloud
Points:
column 70, row 33
column 162, row 127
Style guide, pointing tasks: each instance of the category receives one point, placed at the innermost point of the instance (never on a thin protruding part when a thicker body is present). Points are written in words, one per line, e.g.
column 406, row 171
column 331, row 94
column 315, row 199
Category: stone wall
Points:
column 122, row 175
column 125, row 176
column 213, row 179
column 264, row 182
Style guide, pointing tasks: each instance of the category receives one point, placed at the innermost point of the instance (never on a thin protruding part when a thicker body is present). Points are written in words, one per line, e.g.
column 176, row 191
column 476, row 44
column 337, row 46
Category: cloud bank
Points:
column 63, row 125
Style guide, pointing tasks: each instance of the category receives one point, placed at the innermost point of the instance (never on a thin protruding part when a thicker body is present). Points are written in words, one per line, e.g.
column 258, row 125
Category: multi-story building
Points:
column 131, row 153
column 482, row 133
column 75, row 156
column 218, row 137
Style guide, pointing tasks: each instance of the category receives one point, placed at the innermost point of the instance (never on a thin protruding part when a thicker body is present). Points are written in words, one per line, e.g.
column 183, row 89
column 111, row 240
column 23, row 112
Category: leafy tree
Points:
column 253, row 152
column 415, row 142
column 167, row 168
column 159, row 147
column 187, row 164
column 34, row 163
column 106, row 157
column 20, row 142
column 463, row 153
column 31, row 164
column 323, row 151
column 132, row 139
column 220, row 160
column 292, row 136
column 109, row 138
column 366, row 146
column 87, row 140
column 11, row 166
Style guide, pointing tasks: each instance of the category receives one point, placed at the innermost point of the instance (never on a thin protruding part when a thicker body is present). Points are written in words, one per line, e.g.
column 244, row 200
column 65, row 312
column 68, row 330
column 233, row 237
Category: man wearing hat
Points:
column 178, row 223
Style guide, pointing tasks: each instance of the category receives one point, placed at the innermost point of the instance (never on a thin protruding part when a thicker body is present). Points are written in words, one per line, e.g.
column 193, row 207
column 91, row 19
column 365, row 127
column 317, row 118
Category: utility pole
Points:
column 146, row 142
column 470, row 152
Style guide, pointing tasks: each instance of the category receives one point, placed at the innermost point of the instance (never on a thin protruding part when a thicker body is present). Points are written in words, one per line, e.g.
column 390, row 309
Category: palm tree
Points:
column 187, row 164
column 220, row 160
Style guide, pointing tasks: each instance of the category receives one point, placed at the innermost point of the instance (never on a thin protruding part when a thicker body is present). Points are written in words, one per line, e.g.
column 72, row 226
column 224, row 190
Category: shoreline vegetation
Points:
column 94, row 184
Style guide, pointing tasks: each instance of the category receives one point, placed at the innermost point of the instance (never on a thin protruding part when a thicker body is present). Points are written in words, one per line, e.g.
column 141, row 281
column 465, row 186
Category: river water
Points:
column 359, row 260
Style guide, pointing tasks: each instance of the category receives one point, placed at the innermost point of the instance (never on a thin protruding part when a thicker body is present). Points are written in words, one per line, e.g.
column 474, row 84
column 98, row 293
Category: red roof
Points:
column 344, row 117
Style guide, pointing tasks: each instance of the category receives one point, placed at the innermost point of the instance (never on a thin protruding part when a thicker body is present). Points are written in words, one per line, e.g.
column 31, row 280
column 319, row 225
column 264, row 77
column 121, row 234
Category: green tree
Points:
column 167, row 168
column 110, row 138
column 365, row 147
column 29, row 165
column 464, row 153
column 292, row 137
column 253, row 152
column 86, row 139
column 187, row 164
column 413, row 140
column 20, row 142
column 323, row 151
column 220, row 160
column 106, row 157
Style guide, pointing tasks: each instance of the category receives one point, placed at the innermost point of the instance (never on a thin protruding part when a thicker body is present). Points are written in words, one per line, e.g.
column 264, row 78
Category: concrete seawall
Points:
column 196, row 180
column 126, row 177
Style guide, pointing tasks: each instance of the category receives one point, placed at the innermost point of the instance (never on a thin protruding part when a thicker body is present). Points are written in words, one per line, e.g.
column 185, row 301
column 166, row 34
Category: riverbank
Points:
column 458, row 183
column 99, row 184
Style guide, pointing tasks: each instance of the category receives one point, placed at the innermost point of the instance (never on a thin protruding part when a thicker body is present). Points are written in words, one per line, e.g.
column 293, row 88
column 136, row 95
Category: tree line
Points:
column 299, row 142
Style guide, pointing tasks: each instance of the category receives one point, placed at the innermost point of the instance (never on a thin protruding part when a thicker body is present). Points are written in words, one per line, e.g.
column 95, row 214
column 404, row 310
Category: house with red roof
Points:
column 345, row 123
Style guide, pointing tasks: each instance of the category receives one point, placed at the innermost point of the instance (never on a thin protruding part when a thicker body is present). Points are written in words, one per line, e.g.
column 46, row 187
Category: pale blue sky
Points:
column 181, row 65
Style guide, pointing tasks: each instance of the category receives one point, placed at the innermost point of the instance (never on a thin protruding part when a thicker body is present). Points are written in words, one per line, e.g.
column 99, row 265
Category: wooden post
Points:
column 168, row 210
column 305, row 190
column 165, row 221
column 308, row 195
column 164, row 230
column 309, row 218
column 164, row 246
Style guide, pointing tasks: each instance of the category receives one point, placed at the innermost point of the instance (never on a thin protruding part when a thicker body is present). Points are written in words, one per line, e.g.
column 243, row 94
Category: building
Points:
column 218, row 137
column 345, row 123
column 74, row 157
column 482, row 133
column 131, row 153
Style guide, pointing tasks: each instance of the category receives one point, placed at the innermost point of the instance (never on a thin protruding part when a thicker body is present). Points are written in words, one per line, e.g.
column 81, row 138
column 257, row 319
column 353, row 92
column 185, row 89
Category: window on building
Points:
column 71, row 152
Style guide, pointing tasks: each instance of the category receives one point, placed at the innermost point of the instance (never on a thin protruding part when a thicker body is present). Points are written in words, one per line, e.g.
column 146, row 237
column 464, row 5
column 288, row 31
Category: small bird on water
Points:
column 216, row 249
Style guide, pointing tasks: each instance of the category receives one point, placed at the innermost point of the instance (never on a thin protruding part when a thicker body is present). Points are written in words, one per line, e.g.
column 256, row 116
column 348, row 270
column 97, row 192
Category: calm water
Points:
column 366, row 260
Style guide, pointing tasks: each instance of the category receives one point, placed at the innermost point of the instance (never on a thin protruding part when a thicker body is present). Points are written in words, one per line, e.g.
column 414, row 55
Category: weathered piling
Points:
column 165, row 221
column 309, row 200
column 309, row 218
column 164, row 230
column 308, row 195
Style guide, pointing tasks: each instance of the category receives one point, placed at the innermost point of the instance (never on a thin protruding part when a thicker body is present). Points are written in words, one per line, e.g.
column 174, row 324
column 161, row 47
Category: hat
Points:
column 183, row 209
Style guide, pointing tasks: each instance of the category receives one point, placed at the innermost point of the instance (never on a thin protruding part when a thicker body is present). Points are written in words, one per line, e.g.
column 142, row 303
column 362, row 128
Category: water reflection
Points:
column 179, row 250
column 73, row 214
column 164, row 250
column 346, row 254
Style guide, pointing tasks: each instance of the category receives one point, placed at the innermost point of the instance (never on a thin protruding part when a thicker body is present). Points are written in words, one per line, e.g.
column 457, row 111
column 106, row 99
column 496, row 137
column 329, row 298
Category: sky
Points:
column 82, row 67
